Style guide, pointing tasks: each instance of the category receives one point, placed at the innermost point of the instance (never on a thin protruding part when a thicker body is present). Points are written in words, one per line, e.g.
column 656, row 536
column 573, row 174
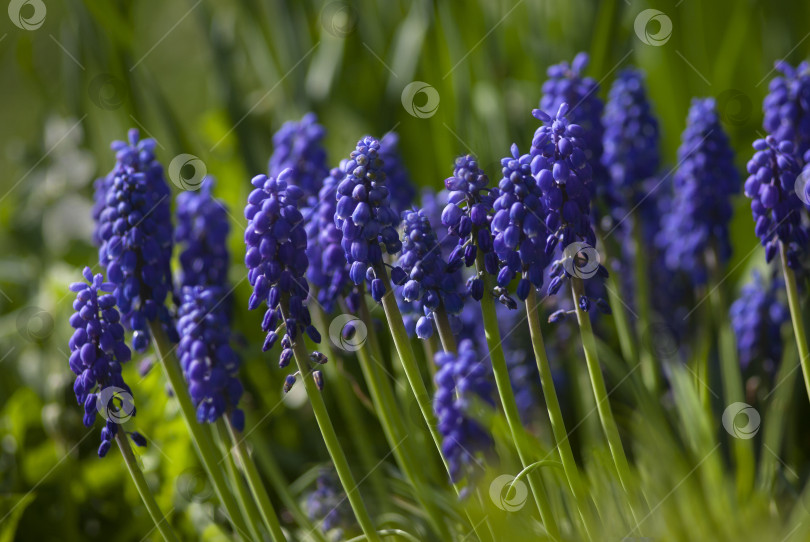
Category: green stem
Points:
column 555, row 412
column 200, row 435
column 502, row 382
column 796, row 317
column 626, row 341
column 776, row 420
column 445, row 332
column 266, row 509
column 649, row 369
column 143, row 488
column 328, row 432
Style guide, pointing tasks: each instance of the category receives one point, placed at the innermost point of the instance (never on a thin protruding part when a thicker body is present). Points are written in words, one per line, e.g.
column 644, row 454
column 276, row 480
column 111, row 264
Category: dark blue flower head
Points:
column 401, row 189
column 202, row 233
column 461, row 380
column 297, row 146
column 631, row 137
column 328, row 505
column 703, row 185
column 429, row 285
column 787, row 106
column 97, row 350
column 276, row 260
column 563, row 176
column 468, row 217
column 518, row 225
column 775, row 204
column 757, row 317
column 364, row 215
column 209, row 363
column 135, row 232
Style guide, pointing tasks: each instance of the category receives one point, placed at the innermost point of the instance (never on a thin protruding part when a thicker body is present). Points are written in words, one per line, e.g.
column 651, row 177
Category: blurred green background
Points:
column 216, row 79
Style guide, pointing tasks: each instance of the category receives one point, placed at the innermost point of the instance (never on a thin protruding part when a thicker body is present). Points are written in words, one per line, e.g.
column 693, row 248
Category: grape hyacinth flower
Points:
column 461, row 378
column 468, row 217
column 202, row 232
column 401, row 189
column 787, row 106
column 775, row 205
column 136, row 237
column 702, row 188
column 433, row 203
column 327, row 504
column 757, row 317
column 209, row 363
column 364, row 216
column 97, row 351
column 429, row 285
column 297, row 145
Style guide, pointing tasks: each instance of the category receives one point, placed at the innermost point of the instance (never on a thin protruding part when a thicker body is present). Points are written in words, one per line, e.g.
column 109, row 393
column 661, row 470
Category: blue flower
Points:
column 401, row 189
column 787, row 106
column 297, row 146
column 461, row 380
column 97, row 351
column 703, row 185
column 364, row 215
column 775, row 205
column 135, row 234
column 328, row 505
column 209, row 363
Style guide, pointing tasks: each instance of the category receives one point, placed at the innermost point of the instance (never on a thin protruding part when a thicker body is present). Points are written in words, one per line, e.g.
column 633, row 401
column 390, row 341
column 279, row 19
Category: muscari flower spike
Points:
column 468, row 217
column 97, row 350
column 776, row 205
column 277, row 262
column 209, row 363
column 703, row 185
column 461, row 378
column 787, row 106
column 297, row 146
column 135, row 234
column 401, row 189
column 429, row 285
column 364, row 216
column 327, row 504
column 757, row 317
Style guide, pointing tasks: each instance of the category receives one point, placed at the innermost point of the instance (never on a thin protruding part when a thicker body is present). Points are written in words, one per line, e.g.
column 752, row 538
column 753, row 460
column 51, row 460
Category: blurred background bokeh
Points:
column 215, row 80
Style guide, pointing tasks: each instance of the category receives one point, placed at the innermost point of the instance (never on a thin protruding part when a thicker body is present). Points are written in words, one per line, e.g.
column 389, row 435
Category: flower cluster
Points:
column 401, row 189
column 787, row 106
column 327, row 504
column 429, row 283
column 297, row 146
column 97, row 350
column 461, row 380
column 134, row 229
column 468, row 217
column 209, row 363
column 757, row 317
column 775, row 204
column 703, row 185
column 202, row 233
column 364, row 215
